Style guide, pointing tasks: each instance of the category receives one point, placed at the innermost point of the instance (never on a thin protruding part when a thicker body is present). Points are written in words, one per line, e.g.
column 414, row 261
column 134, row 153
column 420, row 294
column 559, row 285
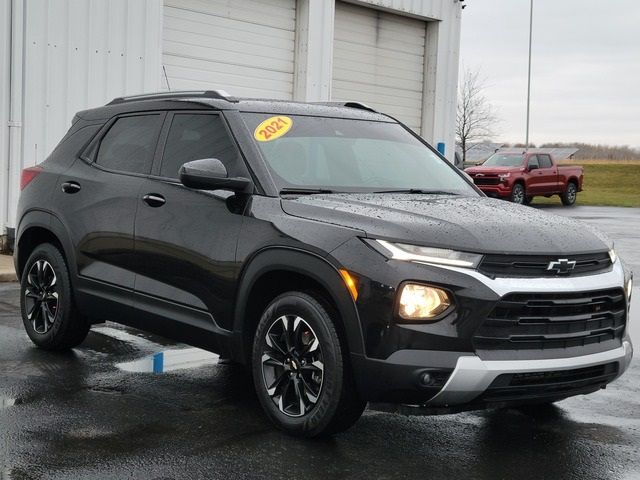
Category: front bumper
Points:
column 472, row 376
column 500, row 190
column 399, row 356
column 467, row 378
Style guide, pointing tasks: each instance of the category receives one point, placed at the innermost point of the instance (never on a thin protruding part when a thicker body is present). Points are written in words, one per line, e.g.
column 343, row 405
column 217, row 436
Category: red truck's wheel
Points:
column 517, row 194
column 570, row 194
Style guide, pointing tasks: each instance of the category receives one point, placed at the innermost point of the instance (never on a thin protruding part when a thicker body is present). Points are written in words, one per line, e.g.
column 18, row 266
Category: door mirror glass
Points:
column 211, row 174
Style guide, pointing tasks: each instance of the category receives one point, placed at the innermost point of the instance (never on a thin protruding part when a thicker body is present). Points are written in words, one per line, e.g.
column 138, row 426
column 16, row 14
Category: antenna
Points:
column 166, row 79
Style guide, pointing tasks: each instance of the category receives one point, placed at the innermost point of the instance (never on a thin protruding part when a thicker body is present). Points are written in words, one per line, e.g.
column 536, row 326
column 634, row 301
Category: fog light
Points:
column 426, row 379
column 420, row 302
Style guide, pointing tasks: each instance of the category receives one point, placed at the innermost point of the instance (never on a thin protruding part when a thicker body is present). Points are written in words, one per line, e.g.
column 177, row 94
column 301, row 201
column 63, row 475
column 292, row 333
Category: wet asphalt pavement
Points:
column 85, row 414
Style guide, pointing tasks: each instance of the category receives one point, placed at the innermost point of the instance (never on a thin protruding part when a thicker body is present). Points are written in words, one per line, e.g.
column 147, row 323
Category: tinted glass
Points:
column 545, row 161
column 194, row 137
column 533, row 160
column 130, row 143
column 504, row 160
column 349, row 155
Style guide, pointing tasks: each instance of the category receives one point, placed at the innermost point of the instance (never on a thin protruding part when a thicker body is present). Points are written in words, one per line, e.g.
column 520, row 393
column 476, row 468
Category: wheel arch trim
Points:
column 47, row 220
column 303, row 262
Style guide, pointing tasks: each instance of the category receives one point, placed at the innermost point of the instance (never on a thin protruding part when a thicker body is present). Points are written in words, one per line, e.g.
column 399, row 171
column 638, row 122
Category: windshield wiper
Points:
column 419, row 190
column 304, row 191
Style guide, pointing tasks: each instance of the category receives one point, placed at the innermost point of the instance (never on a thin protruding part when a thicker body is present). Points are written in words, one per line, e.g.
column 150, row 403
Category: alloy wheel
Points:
column 41, row 297
column 518, row 195
column 292, row 365
column 571, row 193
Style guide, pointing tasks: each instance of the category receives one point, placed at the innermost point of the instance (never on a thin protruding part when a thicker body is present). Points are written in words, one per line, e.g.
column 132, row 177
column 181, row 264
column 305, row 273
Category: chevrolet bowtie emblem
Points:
column 562, row 265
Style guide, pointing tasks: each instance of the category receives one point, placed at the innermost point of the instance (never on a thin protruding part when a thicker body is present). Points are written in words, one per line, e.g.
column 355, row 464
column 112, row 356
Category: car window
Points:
column 545, row 161
column 130, row 143
column 533, row 160
column 194, row 136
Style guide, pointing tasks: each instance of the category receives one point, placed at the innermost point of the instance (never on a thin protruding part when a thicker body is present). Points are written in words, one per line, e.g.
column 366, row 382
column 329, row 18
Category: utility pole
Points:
column 529, row 74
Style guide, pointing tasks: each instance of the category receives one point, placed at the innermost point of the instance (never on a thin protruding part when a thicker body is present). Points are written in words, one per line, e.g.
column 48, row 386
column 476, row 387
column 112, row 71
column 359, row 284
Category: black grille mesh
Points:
column 486, row 180
column 537, row 265
column 523, row 386
column 525, row 321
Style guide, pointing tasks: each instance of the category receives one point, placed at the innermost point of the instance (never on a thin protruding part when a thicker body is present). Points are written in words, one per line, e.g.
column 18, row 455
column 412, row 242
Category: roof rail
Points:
column 213, row 94
column 350, row 104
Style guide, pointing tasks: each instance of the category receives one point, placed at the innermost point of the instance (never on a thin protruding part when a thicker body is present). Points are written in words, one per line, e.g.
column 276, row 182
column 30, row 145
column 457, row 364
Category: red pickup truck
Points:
column 521, row 176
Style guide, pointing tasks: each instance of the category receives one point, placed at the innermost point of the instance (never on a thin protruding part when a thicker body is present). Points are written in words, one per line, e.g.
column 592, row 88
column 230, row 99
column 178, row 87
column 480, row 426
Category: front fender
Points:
column 317, row 268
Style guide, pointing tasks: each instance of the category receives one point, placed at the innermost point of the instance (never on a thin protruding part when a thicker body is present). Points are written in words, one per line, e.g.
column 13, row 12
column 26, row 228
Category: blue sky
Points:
column 585, row 69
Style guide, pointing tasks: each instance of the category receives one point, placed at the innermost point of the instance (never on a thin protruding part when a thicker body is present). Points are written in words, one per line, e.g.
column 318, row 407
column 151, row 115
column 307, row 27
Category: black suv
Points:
column 327, row 247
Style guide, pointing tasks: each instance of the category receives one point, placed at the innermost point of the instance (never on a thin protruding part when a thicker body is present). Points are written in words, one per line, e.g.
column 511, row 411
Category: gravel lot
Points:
column 86, row 414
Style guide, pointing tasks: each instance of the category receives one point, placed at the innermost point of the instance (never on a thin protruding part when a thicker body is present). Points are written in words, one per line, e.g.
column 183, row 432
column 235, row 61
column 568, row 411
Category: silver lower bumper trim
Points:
column 472, row 375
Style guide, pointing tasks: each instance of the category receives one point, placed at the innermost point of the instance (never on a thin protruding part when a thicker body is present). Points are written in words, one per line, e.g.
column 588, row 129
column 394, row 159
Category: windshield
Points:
column 505, row 160
column 343, row 155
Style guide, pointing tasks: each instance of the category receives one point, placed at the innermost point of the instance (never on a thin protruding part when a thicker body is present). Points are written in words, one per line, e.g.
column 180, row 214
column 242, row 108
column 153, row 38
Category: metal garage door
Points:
column 245, row 48
column 378, row 59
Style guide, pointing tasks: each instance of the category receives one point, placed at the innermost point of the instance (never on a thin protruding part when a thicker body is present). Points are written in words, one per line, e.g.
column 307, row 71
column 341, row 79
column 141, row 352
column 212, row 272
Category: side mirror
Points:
column 211, row 174
column 533, row 167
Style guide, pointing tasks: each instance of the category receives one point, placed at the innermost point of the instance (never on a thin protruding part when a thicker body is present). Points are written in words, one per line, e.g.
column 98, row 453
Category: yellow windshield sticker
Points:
column 272, row 128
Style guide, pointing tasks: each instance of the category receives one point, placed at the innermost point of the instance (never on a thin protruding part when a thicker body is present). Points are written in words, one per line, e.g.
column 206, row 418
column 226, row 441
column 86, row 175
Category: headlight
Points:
column 441, row 256
column 420, row 302
column 628, row 288
column 504, row 175
column 613, row 256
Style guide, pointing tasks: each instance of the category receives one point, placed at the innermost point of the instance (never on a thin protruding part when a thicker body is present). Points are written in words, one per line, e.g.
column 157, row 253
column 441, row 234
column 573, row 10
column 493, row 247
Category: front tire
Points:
column 301, row 370
column 48, row 312
column 517, row 194
column 570, row 195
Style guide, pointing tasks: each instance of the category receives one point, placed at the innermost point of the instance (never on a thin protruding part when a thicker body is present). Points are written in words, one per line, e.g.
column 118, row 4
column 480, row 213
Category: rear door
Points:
column 97, row 198
column 186, row 239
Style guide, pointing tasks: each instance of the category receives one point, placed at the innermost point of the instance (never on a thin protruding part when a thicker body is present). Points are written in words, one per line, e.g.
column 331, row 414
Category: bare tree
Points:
column 475, row 117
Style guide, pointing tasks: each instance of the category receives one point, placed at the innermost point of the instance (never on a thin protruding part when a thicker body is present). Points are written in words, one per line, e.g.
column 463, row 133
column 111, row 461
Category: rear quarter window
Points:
column 73, row 142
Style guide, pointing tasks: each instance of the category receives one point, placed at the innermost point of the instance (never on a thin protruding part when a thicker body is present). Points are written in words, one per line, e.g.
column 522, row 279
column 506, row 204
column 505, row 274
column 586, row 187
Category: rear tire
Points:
column 301, row 371
column 48, row 312
column 517, row 194
column 570, row 195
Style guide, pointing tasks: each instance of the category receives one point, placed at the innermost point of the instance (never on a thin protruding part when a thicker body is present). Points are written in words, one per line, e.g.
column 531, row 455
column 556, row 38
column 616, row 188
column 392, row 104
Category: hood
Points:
column 472, row 224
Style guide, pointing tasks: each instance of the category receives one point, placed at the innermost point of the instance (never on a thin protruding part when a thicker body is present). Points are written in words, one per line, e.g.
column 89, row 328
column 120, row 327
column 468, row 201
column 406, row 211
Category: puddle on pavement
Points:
column 171, row 360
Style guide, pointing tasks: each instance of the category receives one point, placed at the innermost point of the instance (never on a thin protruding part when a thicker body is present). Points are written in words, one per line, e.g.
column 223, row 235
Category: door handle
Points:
column 154, row 200
column 71, row 187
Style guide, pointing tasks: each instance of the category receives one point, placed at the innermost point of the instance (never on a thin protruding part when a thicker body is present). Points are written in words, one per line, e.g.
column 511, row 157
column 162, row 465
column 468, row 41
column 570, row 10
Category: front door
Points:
column 186, row 239
column 549, row 177
column 534, row 184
